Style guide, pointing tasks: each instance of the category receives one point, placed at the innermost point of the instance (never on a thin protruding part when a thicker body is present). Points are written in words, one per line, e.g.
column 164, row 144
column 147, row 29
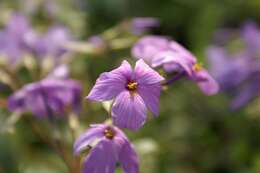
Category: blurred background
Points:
column 194, row 133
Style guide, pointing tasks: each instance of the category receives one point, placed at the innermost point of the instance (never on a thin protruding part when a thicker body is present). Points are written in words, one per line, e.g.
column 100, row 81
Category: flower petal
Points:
column 16, row 102
column 110, row 84
column 247, row 94
column 151, row 96
column 183, row 52
column 148, row 46
column 145, row 74
column 206, row 83
column 172, row 62
column 60, row 72
column 88, row 137
column 129, row 111
column 129, row 159
column 101, row 159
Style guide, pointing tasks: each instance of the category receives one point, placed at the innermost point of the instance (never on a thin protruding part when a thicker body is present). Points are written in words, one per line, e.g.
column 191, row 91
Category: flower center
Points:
column 197, row 67
column 109, row 133
column 131, row 86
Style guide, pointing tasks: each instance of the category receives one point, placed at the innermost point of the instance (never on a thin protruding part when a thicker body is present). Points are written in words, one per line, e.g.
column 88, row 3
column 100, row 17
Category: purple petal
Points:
column 251, row 34
column 16, row 101
column 145, row 74
column 129, row 159
column 60, row 72
column 172, row 62
column 52, row 43
column 151, row 96
column 183, row 52
column 228, row 71
column 36, row 104
column 217, row 58
column 110, row 84
column 88, row 137
column 247, row 94
column 206, row 83
column 18, row 20
column 143, row 24
column 45, row 96
column 148, row 46
column 129, row 111
column 101, row 159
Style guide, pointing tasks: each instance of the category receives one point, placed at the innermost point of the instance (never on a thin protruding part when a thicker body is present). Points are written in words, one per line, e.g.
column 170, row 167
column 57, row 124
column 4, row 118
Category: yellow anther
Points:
column 132, row 86
column 109, row 133
column 197, row 67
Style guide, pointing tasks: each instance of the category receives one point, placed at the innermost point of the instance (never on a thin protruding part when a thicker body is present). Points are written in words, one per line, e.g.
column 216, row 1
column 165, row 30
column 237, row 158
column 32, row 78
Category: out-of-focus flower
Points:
column 229, row 72
column 60, row 72
column 97, row 43
column 140, row 25
column 238, row 72
column 251, row 36
column 48, row 97
column 14, row 39
column 49, row 7
column 248, row 92
column 160, row 51
column 147, row 47
column 133, row 90
column 111, row 146
column 52, row 44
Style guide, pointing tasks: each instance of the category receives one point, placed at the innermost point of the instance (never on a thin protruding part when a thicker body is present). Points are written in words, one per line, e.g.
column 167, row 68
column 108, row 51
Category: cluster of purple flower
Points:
column 132, row 92
column 160, row 51
column 48, row 97
column 52, row 94
column 16, row 42
column 238, row 72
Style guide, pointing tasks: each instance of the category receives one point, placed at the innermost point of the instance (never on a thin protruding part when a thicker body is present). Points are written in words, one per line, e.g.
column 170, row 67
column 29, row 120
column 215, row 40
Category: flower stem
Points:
column 14, row 81
column 62, row 150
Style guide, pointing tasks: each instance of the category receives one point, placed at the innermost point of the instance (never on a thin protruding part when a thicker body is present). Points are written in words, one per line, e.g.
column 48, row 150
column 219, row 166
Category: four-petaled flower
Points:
column 52, row 44
column 48, row 97
column 133, row 91
column 111, row 146
column 159, row 51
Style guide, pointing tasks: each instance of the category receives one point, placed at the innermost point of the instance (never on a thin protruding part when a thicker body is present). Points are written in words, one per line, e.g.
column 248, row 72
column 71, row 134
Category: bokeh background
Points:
column 193, row 134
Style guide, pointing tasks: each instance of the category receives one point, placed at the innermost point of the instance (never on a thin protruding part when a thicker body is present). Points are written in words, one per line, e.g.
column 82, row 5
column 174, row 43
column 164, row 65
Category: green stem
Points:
column 59, row 147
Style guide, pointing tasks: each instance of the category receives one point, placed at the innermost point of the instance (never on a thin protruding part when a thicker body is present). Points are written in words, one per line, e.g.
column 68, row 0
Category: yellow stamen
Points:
column 132, row 86
column 109, row 133
column 197, row 67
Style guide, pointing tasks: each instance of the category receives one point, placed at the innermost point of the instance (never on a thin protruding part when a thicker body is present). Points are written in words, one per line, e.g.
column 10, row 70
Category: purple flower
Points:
column 147, row 47
column 141, row 25
column 98, row 43
column 238, row 72
column 52, row 44
column 48, row 97
column 60, row 72
column 133, row 91
column 251, row 36
column 228, row 71
column 13, row 39
column 174, row 59
column 112, row 147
